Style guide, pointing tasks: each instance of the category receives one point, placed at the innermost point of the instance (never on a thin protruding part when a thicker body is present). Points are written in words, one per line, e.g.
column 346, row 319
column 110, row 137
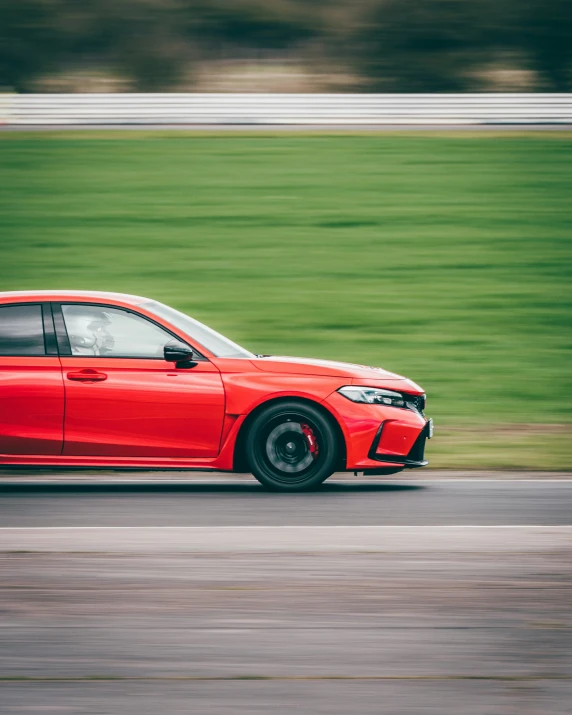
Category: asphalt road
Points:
column 439, row 597
column 227, row 502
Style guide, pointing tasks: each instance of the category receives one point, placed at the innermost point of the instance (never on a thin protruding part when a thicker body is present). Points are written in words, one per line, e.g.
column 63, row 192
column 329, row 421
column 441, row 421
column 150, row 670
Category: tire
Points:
column 291, row 447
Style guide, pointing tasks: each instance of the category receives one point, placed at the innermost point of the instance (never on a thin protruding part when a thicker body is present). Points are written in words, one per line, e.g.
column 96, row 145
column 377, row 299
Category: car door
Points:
column 31, row 384
column 123, row 399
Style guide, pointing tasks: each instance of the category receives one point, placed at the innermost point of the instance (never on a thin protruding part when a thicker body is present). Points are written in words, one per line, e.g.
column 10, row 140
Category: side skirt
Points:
column 27, row 460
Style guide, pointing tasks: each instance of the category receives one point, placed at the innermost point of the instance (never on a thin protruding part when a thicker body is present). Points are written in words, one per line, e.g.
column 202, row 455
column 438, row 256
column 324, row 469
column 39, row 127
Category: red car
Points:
column 90, row 379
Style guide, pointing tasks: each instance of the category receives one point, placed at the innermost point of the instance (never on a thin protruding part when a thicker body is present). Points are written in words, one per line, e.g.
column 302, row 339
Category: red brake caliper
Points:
column 310, row 439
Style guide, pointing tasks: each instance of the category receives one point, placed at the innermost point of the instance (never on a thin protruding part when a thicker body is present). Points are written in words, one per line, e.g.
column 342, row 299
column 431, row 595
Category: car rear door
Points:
column 123, row 399
column 31, row 384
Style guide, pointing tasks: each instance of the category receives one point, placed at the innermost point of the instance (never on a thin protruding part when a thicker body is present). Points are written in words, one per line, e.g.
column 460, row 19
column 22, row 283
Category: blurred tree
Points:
column 544, row 33
column 257, row 24
column 149, row 44
column 143, row 40
column 30, row 40
column 396, row 45
column 421, row 45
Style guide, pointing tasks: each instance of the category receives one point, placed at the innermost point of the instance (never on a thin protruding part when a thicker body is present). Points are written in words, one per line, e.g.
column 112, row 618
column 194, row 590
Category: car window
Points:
column 218, row 344
column 102, row 331
column 21, row 330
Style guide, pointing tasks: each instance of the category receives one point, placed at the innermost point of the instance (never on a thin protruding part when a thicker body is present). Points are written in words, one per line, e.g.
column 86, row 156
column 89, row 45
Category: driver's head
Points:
column 97, row 320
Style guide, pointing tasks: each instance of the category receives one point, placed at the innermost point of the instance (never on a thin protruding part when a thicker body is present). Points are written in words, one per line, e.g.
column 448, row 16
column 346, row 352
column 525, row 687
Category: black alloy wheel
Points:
column 292, row 446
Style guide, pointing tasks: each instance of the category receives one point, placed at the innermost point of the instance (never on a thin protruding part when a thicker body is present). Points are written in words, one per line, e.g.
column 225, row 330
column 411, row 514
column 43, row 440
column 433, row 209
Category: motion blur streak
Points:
column 248, row 111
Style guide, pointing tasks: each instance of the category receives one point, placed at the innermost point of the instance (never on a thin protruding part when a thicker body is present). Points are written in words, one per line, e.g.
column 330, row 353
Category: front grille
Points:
column 417, row 401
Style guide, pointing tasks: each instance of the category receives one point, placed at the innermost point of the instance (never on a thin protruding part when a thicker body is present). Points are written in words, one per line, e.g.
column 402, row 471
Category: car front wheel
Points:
column 292, row 446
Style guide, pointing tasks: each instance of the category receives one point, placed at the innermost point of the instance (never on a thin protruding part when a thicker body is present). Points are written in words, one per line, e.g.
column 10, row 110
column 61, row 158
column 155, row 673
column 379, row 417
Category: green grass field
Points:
column 443, row 257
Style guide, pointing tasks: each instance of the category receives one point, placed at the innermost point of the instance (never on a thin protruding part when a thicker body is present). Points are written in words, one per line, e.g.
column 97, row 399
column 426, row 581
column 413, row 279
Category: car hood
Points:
column 356, row 374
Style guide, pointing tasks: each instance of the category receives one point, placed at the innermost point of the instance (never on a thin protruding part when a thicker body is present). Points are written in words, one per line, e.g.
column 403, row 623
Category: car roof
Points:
column 87, row 295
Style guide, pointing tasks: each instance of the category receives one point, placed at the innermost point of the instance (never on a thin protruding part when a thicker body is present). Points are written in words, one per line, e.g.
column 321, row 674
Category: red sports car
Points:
column 90, row 379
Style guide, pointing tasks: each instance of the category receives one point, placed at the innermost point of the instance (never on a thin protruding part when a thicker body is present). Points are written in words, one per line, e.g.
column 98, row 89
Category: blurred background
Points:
column 441, row 255
column 286, row 45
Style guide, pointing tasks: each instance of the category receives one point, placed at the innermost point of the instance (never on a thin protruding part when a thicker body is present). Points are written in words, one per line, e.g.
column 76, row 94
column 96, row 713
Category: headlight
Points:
column 372, row 395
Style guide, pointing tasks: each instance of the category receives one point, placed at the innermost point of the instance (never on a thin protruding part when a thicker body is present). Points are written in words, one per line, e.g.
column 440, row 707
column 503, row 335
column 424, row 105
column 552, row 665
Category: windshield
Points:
column 214, row 342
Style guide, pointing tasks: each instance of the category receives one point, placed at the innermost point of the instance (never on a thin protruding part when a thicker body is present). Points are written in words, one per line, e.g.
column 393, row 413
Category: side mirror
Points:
column 179, row 353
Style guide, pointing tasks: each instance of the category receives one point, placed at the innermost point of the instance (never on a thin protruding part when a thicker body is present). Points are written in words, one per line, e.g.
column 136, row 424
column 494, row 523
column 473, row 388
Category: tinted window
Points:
column 21, row 330
column 102, row 331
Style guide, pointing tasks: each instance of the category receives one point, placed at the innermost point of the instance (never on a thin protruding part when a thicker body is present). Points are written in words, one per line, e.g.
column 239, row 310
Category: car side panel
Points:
column 144, row 408
column 31, row 405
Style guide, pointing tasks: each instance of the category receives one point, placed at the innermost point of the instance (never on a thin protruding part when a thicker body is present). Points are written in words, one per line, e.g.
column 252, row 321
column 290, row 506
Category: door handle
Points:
column 87, row 375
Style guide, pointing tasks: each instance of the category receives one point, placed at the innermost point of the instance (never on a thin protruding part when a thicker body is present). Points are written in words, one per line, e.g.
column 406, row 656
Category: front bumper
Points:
column 380, row 437
column 414, row 458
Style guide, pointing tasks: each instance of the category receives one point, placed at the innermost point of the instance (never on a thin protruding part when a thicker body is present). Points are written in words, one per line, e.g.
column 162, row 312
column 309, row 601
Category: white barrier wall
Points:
column 285, row 109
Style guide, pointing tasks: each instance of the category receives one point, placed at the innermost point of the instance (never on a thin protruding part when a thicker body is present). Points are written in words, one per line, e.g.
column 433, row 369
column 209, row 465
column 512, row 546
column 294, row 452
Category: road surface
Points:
column 429, row 596
column 224, row 501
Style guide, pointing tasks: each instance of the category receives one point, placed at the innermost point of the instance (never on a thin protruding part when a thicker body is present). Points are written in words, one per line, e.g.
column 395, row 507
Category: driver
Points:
column 89, row 334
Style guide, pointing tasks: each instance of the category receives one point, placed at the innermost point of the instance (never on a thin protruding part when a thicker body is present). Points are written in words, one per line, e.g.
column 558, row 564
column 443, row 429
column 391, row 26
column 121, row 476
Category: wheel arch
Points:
column 239, row 456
